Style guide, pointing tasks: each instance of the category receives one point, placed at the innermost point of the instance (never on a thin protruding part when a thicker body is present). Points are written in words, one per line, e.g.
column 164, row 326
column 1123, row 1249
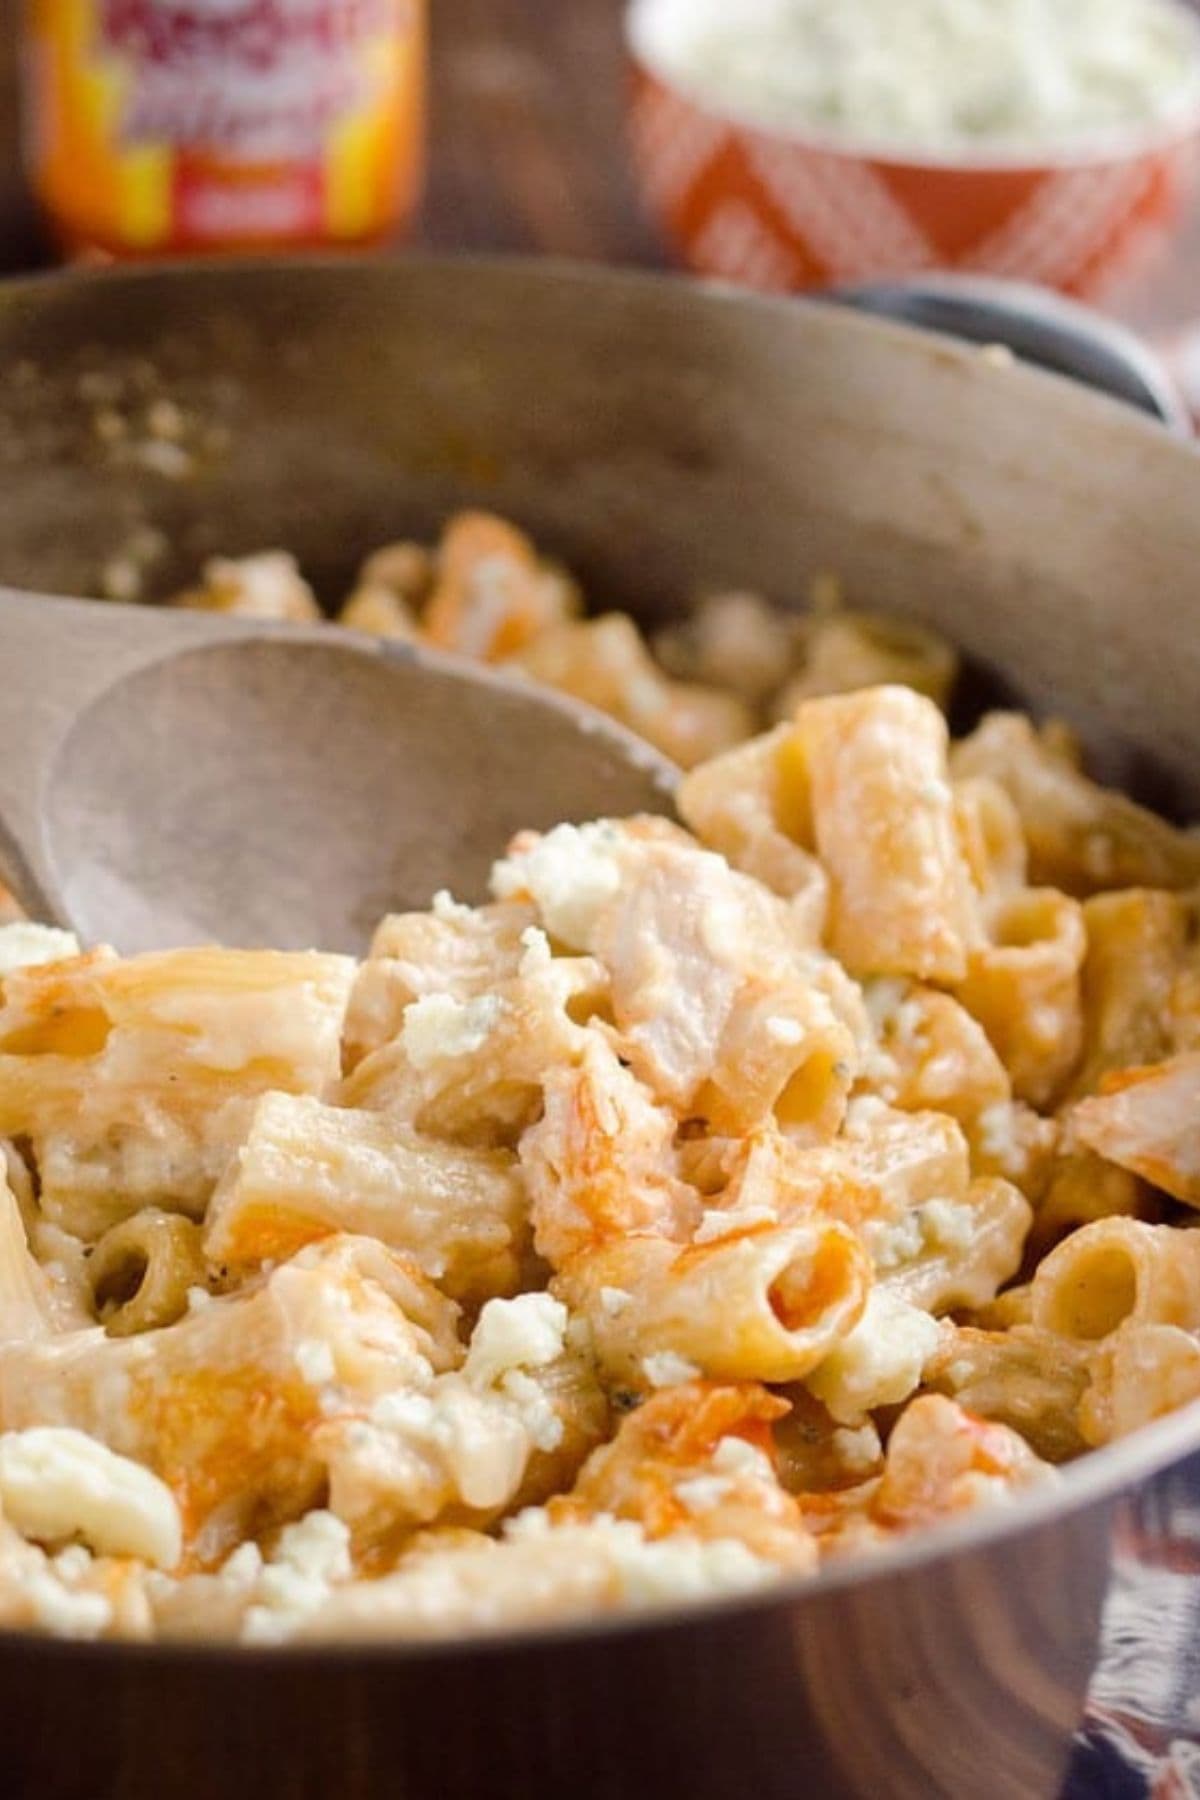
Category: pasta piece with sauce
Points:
column 763, row 1304
column 1148, row 1121
column 223, row 1404
column 901, row 896
column 308, row 1170
column 133, row 1080
column 1083, row 838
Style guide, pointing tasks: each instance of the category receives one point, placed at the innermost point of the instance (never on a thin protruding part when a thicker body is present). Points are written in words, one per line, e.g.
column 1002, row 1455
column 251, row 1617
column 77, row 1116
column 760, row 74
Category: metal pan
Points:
column 660, row 438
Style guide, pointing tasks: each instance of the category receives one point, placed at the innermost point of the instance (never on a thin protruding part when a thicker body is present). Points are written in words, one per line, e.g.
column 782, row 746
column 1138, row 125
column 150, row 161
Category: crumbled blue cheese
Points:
column 23, row 945
column 880, row 1362
column 571, row 873
column 682, row 1567
column 61, row 1610
column 857, row 1449
column 242, row 1569
column 56, row 1483
column 314, row 1359
column 894, row 1242
column 439, row 1026
column 311, row 1557
column 936, row 1225
column 614, row 1300
column 445, row 906
column 702, row 1493
column 734, row 1462
column 930, row 73
column 999, row 1138
column 734, row 1456
column 947, row 1224
column 511, row 1337
column 545, row 1428
column 666, row 1369
column 525, row 1333
column 537, row 953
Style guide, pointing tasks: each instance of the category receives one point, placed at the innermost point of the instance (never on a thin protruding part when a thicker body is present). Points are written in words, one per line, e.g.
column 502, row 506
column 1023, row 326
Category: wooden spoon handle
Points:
column 56, row 657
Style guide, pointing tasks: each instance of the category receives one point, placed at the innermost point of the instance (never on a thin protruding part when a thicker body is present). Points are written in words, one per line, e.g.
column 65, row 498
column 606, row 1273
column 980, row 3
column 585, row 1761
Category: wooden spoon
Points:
column 172, row 777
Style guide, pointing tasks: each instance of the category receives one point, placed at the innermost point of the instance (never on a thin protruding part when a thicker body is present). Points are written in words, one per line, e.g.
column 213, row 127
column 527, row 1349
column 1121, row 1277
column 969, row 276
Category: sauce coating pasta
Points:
column 719, row 1199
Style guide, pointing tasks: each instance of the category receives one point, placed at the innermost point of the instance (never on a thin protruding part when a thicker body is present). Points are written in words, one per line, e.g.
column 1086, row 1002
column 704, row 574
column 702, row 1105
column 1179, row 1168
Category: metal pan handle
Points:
column 1040, row 327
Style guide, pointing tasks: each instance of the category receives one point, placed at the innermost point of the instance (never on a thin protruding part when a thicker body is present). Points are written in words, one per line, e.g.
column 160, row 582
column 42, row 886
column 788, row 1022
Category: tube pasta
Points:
column 472, row 1072
column 765, row 1304
column 1139, row 1374
column 26, row 1301
column 1148, row 1121
column 727, row 1021
column 222, row 1404
column 992, row 836
column 600, row 1161
column 906, row 1157
column 1026, row 1378
column 458, row 950
column 1082, row 838
column 965, row 1249
column 937, row 1237
column 1023, row 987
column 607, row 662
column 404, row 568
column 736, row 641
column 268, row 585
column 846, row 651
column 901, row 897
column 132, row 1079
column 380, row 612
column 1083, row 1188
column 700, row 1458
column 800, row 1183
column 143, row 1270
column 754, row 806
column 490, row 596
column 1136, row 942
column 1118, row 1271
column 942, row 1461
column 465, row 1447
column 931, row 1055
column 307, row 1170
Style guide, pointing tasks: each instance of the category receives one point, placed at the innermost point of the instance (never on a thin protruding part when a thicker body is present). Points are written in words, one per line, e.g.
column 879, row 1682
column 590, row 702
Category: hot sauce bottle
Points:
column 156, row 127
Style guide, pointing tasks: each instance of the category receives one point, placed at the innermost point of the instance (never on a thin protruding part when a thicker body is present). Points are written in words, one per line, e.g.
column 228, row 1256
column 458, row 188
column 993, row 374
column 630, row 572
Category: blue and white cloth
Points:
column 1140, row 1735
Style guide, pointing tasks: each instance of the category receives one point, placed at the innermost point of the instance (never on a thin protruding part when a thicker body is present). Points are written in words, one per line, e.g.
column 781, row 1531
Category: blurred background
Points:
column 540, row 141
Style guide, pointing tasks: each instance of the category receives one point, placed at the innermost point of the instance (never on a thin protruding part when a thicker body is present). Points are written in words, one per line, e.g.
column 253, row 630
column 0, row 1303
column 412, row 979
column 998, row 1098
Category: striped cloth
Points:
column 1140, row 1736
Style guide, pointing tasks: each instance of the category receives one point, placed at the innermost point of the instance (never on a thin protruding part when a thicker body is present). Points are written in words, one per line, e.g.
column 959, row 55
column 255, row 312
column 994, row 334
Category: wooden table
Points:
column 528, row 149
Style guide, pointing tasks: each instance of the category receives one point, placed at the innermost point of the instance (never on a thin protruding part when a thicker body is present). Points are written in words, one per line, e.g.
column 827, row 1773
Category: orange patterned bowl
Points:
column 780, row 210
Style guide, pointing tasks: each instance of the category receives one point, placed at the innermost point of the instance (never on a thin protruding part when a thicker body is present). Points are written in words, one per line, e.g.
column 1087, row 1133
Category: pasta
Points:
column 719, row 1198
column 696, row 689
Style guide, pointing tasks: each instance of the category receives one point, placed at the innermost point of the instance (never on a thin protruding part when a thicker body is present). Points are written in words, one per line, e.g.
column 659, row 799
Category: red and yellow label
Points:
column 164, row 125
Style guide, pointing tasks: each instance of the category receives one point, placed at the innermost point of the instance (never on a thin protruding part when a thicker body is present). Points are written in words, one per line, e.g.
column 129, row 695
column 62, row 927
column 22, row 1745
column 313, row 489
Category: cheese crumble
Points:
column 933, row 74
column 438, row 1027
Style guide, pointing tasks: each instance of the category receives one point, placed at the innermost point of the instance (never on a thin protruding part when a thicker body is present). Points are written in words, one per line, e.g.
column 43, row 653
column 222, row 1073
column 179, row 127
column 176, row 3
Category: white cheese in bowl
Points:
column 931, row 74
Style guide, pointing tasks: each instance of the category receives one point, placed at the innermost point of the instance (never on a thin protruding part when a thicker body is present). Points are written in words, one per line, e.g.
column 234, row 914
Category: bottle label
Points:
column 181, row 123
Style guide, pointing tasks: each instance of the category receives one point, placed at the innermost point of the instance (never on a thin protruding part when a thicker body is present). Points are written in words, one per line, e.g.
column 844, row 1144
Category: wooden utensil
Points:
column 172, row 777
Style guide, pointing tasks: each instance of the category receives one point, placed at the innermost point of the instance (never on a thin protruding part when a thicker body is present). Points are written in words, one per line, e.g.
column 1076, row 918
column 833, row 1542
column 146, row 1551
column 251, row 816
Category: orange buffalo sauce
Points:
column 159, row 126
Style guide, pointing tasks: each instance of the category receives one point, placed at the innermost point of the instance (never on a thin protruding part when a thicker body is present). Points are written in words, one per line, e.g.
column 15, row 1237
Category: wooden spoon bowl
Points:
column 174, row 777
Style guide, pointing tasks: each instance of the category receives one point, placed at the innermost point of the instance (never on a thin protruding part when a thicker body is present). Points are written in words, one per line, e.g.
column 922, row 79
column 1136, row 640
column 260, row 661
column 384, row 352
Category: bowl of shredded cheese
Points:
column 796, row 143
